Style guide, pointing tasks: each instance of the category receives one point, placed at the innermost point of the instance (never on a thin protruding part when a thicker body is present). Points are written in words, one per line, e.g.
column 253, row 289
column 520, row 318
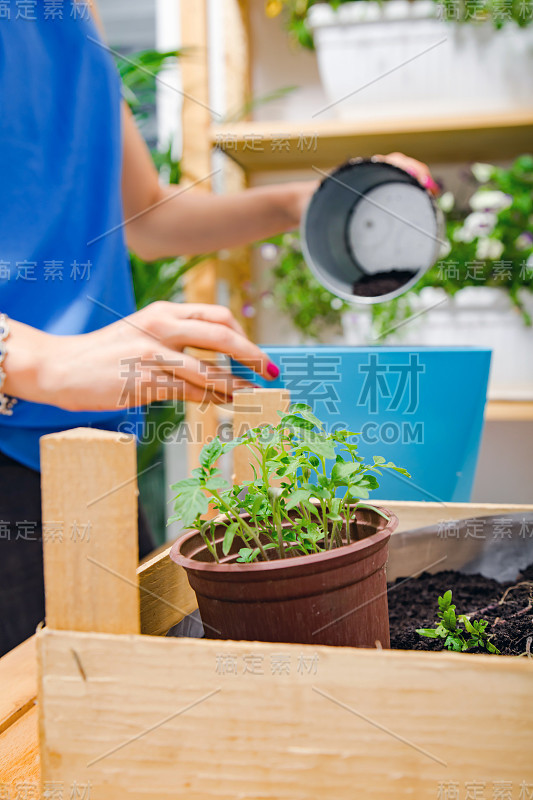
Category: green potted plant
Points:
column 297, row 554
column 416, row 58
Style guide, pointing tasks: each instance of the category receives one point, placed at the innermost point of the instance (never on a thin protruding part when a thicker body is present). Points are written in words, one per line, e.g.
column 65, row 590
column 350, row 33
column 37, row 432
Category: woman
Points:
column 78, row 188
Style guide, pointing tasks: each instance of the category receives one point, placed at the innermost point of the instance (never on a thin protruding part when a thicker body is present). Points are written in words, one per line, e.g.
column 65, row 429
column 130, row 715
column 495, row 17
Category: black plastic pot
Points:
column 371, row 231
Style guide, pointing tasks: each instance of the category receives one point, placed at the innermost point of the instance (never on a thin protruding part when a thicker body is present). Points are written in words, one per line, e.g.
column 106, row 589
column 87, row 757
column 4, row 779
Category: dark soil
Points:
column 506, row 606
column 381, row 283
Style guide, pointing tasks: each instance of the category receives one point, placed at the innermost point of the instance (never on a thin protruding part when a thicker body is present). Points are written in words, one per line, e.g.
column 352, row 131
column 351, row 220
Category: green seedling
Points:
column 460, row 633
column 307, row 487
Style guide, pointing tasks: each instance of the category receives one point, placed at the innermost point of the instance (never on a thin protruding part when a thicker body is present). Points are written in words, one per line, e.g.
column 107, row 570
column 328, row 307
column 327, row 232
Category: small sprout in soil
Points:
column 297, row 504
column 471, row 636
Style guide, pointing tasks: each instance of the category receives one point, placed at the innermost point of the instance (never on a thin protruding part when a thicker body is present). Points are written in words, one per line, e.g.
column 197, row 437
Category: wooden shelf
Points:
column 509, row 411
column 292, row 145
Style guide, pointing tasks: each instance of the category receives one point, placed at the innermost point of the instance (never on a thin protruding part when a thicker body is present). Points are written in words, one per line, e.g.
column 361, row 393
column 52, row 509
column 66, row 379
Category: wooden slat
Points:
column 256, row 145
column 236, row 269
column 89, row 495
column 19, row 737
column 509, row 411
column 250, row 409
column 19, row 756
column 441, row 538
column 200, row 283
column 162, row 718
column 166, row 596
column 194, row 71
column 237, row 54
column 18, row 682
column 420, row 515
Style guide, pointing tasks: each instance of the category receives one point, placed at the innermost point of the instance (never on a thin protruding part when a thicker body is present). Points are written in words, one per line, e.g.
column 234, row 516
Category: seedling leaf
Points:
column 229, row 536
column 449, row 628
column 210, row 452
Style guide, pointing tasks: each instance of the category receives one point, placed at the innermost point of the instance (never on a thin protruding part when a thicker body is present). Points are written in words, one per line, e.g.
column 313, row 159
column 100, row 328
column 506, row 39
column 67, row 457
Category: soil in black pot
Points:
column 506, row 606
column 381, row 283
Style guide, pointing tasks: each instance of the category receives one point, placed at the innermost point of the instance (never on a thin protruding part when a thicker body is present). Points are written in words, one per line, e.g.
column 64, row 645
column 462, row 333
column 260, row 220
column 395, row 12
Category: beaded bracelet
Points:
column 6, row 403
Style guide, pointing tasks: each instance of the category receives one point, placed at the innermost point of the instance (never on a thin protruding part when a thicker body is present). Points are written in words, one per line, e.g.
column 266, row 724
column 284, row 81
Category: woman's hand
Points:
column 134, row 361
column 298, row 194
column 417, row 169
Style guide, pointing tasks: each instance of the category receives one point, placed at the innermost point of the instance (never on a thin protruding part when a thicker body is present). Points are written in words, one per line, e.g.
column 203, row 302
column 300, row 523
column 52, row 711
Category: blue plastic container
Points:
column 421, row 407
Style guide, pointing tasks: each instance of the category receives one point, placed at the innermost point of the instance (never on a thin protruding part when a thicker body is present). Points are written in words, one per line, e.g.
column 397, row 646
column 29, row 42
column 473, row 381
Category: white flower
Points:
column 489, row 249
column 446, row 202
column 462, row 235
column 479, row 223
column 524, row 241
column 490, row 201
column 336, row 303
column 269, row 251
column 482, row 172
column 445, row 249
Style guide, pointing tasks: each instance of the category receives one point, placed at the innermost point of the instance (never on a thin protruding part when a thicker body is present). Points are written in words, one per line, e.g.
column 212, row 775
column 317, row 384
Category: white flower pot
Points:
column 477, row 317
column 398, row 59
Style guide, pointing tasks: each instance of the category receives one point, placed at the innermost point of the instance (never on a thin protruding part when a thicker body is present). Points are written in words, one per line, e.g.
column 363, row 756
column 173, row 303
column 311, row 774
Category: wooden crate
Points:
column 126, row 712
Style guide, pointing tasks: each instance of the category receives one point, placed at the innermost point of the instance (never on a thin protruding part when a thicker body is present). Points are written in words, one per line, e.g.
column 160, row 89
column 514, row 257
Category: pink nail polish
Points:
column 430, row 184
column 273, row 370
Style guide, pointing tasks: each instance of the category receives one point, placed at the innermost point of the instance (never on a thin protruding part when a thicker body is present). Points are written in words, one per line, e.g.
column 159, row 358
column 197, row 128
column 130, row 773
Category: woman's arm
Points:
column 171, row 220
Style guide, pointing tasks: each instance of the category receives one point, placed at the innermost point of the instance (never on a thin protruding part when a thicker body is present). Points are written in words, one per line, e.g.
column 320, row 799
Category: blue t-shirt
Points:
column 64, row 265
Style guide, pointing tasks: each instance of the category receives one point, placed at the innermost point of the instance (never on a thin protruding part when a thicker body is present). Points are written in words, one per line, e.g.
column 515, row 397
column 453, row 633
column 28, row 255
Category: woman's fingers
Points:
column 175, row 389
column 203, row 397
column 210, row 335
column 206, row 313
column 178, row 376
column 207, row 377
column 219, row 338
column 417, row 169
column 169, row 369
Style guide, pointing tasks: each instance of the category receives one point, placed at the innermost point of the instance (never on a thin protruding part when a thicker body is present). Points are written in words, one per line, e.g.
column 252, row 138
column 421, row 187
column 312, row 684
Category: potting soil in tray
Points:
column 506, row 606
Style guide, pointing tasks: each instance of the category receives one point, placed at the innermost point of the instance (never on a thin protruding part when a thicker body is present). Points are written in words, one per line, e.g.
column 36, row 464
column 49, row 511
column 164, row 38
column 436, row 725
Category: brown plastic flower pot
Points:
column 338, row 597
